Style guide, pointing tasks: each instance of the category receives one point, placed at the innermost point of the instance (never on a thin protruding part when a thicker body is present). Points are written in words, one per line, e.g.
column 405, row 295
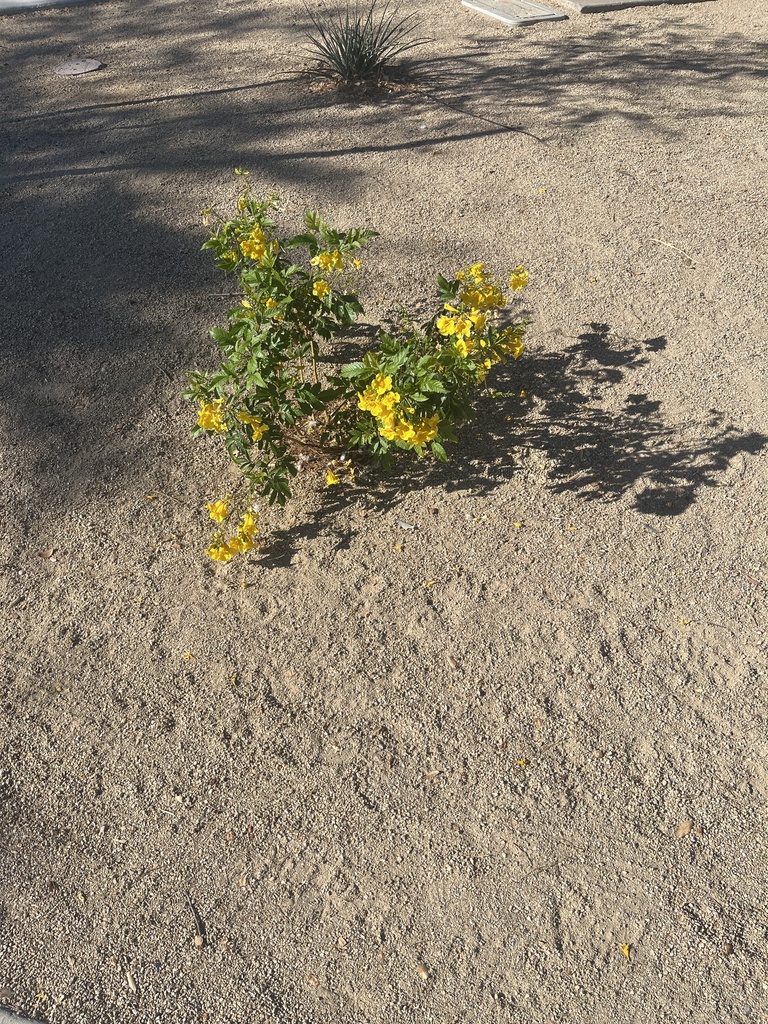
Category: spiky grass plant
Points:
column 361, row 44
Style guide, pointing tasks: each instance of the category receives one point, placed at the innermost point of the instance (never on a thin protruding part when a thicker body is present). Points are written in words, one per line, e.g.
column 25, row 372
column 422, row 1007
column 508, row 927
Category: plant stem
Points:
column 313, row 352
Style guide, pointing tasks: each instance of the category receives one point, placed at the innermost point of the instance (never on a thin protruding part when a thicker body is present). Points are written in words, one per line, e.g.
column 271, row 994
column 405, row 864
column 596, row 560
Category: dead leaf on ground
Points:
column 422, row 972
column 47, row 553
column 312, row 980
column 683, row 829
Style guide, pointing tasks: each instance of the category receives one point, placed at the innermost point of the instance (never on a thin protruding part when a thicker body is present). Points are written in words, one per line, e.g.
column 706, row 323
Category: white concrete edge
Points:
column 496, row 10
column 30, row 6
column 14, row 1018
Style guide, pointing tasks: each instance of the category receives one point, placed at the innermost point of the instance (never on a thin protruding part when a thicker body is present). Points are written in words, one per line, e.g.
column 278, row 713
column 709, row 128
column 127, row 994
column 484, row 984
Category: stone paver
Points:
column 596, row 6
column 515, row 12
column 17, row 6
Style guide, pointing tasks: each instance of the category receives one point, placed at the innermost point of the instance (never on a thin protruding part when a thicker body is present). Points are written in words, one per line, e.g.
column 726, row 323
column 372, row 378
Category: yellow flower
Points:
column 218, row 510
column 463, row 327
column 270, row 303
column 220, row 552
column 512, row 342
column 446, row 325
column 256, row 245
column 404, row 431
column 478, row 319
column 331, row 478
column 483, row 296
column 425, row 431
column 328, row 260
column 247, row 529
column 379, row 400
column 519, row 278
column 258, row 427
column 478, row 272
column 253, row 250
column 320, row 289
column 210, row 416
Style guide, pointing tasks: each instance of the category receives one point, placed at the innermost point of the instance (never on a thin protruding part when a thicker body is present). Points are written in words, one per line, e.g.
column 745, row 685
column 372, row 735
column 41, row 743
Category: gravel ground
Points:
column 308, row 787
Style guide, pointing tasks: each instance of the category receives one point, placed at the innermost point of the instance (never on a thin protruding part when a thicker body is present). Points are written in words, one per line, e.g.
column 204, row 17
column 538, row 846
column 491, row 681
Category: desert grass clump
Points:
column 361, row 45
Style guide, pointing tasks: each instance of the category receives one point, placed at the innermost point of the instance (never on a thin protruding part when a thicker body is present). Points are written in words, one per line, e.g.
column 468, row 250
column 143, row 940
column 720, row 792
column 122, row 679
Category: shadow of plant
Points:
column 550, row 403
column 602, row 454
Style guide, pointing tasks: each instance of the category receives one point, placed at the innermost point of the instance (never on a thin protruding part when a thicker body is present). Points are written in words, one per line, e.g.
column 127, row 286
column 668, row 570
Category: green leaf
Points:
column 438, row 451
column 310, row 241
column 433, row 386
column 353, row 370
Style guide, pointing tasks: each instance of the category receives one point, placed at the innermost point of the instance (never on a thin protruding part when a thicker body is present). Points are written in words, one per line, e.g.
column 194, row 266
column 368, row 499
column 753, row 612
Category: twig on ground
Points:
column 682, row 252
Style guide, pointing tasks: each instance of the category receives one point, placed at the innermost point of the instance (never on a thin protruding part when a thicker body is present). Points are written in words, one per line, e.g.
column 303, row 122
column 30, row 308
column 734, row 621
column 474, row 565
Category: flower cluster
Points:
column 326, row 261
column 255, row 245
column 393, row 425
column 466, row 324
column 223, row 550
column 481, row 291
column 210, row 416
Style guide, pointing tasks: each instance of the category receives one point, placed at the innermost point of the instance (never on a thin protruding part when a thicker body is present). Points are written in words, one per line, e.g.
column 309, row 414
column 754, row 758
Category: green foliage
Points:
column 360, row 45
column 268, row 399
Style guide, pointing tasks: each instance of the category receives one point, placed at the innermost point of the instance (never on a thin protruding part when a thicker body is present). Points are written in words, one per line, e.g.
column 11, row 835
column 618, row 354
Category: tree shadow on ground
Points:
column 624, row 70
column 554, row 404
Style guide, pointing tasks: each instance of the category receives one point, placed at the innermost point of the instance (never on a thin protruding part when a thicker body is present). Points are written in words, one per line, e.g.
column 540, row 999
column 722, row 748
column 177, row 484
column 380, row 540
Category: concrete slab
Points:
column 598, row 6
column 515, row 12
column 12, row 1018
column 16, row 6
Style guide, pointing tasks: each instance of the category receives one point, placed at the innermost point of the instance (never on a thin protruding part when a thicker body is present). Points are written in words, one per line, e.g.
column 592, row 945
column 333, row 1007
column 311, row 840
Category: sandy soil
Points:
column 386, row 801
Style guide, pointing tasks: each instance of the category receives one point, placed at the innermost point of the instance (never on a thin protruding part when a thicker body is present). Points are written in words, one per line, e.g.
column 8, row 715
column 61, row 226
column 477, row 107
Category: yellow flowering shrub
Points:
column 269, row 401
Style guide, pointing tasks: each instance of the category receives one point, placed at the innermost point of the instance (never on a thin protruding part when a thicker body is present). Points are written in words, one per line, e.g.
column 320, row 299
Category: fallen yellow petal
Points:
column 625, row 949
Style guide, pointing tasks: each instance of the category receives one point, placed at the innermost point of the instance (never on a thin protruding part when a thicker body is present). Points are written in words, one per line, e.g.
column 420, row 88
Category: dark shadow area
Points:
column 550, row 403
column 105, row 298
